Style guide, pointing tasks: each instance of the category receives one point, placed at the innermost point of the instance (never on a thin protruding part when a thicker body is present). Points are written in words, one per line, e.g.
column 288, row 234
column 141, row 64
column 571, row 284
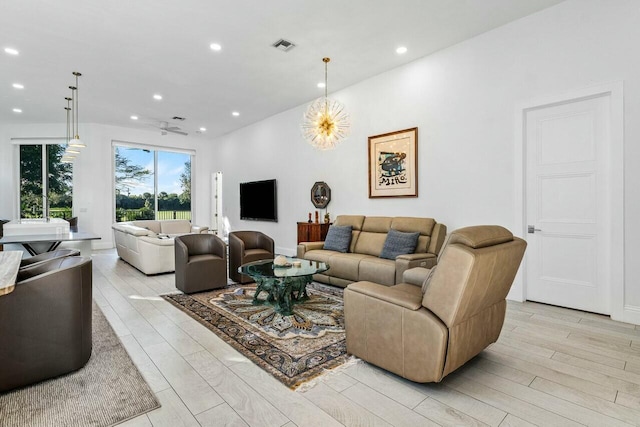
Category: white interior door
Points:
column 567, row 199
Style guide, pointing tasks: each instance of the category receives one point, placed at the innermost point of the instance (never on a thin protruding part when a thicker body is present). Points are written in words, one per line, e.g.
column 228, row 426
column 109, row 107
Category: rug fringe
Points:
column 326, row 374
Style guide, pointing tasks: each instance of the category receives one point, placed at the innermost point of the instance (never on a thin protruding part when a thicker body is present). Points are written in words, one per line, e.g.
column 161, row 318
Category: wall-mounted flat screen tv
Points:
column 259, row 201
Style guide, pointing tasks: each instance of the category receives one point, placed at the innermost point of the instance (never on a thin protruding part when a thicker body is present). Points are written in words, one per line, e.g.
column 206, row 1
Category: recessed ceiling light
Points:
column 11, row 51
column 215, row 47
column 17, row 110
column 203, row 129
column 235, row 113
column 18, row 86
column 401, row 50
column 134, row 117
column 321, row 85
column 157, row 97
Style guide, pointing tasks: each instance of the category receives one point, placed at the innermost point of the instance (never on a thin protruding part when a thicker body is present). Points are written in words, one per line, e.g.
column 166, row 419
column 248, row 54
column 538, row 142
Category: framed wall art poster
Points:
column 393, row 164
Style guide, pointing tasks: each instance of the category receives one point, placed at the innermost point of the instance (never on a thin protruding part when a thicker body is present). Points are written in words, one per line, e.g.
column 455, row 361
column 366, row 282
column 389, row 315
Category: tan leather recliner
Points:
column 425, row 337
column 201, row 263
column 46, row 323
column 247, row 246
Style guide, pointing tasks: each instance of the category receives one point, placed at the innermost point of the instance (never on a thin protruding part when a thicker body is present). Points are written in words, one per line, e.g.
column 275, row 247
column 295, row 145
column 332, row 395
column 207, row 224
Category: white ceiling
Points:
column 129, row 50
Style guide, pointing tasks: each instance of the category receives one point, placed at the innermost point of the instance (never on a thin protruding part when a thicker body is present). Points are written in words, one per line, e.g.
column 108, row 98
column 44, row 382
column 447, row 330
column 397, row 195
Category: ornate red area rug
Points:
column 294, row 349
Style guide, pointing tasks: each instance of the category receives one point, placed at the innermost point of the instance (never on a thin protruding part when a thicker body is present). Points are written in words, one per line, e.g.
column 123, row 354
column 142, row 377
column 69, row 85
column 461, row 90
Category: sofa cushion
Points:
column 319, row 255
column 355, row 221
column 133, row 230
column 175, row 226
column 374, row 232
column 378, row 270
column 345, row 266
column 338, row 238
column 399, row 243
column 412, row 224
column 149, row 224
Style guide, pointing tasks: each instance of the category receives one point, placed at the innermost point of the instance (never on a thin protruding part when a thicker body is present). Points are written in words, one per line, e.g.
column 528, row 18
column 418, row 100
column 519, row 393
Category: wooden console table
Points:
column 312, row 232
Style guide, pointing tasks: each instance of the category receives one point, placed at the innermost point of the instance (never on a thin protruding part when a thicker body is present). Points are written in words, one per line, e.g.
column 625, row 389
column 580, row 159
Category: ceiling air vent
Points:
column 182, row 119
column 284, row 45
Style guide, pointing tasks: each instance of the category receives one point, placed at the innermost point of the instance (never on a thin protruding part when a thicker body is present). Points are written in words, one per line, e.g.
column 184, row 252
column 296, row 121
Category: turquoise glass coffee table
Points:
column 284, row 286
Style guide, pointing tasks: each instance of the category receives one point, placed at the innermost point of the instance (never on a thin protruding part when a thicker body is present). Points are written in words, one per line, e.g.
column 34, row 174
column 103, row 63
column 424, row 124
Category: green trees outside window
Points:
column 152, row 184
column 59, row 177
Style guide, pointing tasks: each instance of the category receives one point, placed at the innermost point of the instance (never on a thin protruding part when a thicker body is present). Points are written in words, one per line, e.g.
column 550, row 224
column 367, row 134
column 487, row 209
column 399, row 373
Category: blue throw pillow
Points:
column 399, row 243
column 338, row 238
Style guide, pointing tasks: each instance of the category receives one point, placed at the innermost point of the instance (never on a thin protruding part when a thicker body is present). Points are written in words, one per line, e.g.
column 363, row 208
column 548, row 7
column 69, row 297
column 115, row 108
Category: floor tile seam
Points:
column 382, row 394
column 583, row 405
column 521, row 400
column 419, row 390
column 591, row 349
column 268, row 399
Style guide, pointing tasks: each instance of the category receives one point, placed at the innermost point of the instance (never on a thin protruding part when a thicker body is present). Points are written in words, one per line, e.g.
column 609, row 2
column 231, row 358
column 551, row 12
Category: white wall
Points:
column 93, row 172
column 463, row 101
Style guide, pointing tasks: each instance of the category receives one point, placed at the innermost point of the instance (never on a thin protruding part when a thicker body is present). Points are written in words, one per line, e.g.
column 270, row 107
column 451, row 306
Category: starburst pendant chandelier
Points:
column 326, row 122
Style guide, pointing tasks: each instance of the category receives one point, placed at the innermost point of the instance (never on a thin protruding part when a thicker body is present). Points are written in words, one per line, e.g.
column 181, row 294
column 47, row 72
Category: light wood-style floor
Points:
column 551, row 366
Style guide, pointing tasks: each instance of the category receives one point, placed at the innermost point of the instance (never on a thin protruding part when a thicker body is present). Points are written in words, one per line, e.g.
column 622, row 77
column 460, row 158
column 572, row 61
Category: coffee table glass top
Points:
column 266, row 269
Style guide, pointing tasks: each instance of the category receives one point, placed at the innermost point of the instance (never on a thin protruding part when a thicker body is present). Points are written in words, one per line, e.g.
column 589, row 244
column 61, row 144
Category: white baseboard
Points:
column 631, row 314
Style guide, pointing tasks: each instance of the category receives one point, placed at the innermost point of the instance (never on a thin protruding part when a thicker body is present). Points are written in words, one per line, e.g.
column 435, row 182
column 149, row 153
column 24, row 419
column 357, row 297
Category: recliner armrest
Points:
column 416, row 257
column 416, row 275
column 391, row 294
column 405, row 262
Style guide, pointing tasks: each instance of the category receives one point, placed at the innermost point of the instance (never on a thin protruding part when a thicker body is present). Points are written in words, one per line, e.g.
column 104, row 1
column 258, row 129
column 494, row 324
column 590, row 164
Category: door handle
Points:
column 531, row 229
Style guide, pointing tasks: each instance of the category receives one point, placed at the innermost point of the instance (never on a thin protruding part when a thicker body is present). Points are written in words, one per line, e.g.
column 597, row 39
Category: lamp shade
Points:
column 76, row 142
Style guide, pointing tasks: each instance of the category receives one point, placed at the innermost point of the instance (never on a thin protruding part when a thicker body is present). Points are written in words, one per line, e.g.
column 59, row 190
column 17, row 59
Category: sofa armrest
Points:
column 134, row 230
column 388, row 294
column 197, row 229
column 304, row 247
column 405, row 262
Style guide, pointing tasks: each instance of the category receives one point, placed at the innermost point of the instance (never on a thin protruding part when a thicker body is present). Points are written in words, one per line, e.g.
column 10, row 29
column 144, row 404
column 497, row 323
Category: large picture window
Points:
column 152, row 184
column 45, row 182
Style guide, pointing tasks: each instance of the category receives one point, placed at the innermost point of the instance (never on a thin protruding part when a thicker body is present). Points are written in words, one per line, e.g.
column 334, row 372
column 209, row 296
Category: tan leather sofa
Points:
column 424, row 337
column 140, row 244
column 362, row 262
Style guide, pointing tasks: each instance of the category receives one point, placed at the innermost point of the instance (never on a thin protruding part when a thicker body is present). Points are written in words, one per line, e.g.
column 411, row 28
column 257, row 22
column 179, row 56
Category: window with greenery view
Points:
column 152, row 184
column 58, row 184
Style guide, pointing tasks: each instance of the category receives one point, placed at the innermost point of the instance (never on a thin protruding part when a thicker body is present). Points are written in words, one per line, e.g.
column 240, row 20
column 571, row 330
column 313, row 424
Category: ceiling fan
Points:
column 164, row 128
column 163, row 125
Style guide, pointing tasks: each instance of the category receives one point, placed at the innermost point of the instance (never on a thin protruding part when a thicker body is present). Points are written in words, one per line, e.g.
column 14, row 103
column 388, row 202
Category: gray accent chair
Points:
column 247, row 246
column 46, row 322
column 200, row 262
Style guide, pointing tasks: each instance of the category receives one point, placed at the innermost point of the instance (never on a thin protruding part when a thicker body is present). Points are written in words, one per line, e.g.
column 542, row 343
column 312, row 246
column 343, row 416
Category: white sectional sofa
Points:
column 148, row 245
